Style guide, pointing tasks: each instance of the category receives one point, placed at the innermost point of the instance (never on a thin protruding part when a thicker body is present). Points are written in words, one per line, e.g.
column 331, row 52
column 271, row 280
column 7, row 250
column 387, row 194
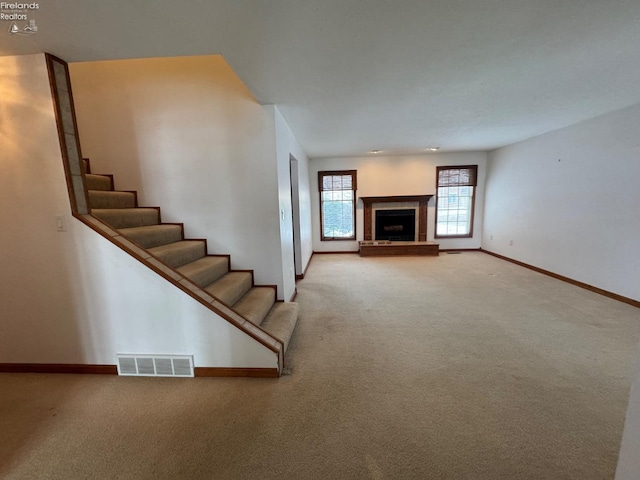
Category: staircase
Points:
column 210, row 274
column 231, row 295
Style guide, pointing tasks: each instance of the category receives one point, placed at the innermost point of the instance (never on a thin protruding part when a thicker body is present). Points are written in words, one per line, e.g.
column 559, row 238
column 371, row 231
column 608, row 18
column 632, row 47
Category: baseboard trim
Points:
column 58, row 368
column 445, row 250
column 295, row 294
column 304, row 272
column 577, row 283
column 236, row 372
column 113, row 370
column 332, row 253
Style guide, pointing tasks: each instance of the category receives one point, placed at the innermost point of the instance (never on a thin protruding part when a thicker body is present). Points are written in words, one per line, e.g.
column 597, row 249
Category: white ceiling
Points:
column 350, row 76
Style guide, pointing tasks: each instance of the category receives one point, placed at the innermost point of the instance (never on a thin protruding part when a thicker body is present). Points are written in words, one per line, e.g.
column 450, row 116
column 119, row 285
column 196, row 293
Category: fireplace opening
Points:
column 396, row 225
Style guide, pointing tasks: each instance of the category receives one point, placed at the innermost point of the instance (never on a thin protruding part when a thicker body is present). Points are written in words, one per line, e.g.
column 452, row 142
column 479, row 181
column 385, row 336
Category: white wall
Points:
column 396, row 175
column 629, row 460
column 287, row 146
column 569, row 200
column 188, row 135
column 73, row 297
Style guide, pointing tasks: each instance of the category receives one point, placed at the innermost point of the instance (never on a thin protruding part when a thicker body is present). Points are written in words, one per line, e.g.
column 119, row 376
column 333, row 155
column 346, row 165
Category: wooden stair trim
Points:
column 78, row 205
column 186, row 281
column 228, row 256
column 170, row 274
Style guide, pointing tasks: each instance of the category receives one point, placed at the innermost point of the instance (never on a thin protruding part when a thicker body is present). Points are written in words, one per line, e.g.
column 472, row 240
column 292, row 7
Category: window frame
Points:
column 354, row 184
column 473, row 183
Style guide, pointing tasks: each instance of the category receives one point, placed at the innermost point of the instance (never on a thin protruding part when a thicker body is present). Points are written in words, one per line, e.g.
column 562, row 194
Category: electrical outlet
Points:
column 511, row 243
column 491, row 237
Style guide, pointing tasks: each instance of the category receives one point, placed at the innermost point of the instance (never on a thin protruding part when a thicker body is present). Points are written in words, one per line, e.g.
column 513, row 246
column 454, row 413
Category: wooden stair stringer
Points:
column 192, row 286
column 180, row 281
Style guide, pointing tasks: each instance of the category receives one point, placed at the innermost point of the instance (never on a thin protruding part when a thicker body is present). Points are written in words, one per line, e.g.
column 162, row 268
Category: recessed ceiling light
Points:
column 375, row 151
column 433, row 149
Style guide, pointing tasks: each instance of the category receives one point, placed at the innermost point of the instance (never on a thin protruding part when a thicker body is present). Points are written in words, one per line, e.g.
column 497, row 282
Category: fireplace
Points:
column 397, row 225
column 416, row 203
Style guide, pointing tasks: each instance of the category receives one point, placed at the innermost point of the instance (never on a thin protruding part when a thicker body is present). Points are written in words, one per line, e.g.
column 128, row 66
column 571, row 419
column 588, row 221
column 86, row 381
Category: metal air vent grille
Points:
column 155, row 365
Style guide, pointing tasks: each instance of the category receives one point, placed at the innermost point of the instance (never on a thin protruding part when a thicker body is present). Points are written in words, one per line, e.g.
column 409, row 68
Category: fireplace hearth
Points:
column 396, row 225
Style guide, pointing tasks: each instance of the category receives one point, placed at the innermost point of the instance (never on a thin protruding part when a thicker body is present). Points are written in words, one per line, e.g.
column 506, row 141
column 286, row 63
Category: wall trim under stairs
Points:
column 235, row 372
column 58, row 368
column 75, row 368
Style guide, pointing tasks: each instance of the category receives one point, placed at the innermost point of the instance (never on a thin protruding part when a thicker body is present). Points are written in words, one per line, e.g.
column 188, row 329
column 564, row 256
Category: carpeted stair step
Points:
column 281, row 321
column 98, row 182
column 166, row 242
column 111, row 199
column 127, row 217
column 153, row 235
column 179, row 253
column 256, row 303
column 231, row 287
column 206, row 270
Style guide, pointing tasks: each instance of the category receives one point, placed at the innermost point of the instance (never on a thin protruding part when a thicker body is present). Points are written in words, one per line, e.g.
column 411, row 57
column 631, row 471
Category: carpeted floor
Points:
column 454, row 367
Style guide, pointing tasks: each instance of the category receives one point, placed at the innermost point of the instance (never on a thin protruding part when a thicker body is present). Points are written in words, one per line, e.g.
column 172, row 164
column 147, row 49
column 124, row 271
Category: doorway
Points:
column 295, row 213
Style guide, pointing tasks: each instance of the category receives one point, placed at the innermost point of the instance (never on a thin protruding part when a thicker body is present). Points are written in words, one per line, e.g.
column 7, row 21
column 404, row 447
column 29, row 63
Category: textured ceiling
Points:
column 350, row 76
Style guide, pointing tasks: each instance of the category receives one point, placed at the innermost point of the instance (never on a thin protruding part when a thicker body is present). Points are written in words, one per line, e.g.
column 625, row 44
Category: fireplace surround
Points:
column 421, row 201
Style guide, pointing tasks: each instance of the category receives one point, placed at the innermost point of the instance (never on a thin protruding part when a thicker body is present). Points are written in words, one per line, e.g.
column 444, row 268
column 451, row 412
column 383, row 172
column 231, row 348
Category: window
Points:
column 337, row 205
column 455, row 199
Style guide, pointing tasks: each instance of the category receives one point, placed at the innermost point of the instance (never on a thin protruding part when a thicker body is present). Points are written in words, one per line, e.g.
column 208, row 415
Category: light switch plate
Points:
column 61, row 223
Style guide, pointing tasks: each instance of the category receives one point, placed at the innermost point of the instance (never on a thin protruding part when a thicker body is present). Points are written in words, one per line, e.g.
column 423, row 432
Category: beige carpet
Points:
column 454, row 367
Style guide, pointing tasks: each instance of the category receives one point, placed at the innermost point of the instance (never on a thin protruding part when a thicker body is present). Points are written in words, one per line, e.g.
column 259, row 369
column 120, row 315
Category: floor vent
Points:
column 155, row 365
